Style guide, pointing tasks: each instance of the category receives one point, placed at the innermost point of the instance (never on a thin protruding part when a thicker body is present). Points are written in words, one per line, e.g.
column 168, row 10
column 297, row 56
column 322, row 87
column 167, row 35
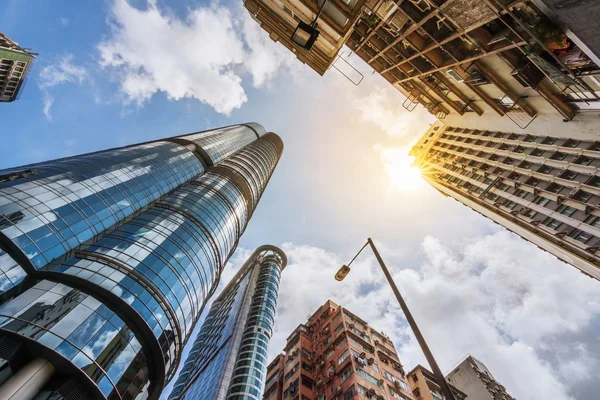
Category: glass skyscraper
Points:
column 229, row 357
column 107, row 258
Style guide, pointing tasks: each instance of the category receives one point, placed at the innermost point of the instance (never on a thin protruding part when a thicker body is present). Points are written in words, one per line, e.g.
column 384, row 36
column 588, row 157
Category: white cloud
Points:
column 203, row 56
column 493, row 297
column 65, row 71
column 385, row 111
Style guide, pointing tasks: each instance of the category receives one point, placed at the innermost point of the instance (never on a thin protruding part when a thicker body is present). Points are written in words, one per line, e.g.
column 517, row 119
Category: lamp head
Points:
column 342, row 272
column 305, row 35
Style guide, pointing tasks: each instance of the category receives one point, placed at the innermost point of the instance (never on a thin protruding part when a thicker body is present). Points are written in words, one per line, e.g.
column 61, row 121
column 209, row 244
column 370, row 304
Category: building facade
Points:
column 107, row 258
column 336, row 355
column 15, row 63
column 229, row 357
column 473, row 378
column 424, row 386
column 478, row 64
column 545, row 189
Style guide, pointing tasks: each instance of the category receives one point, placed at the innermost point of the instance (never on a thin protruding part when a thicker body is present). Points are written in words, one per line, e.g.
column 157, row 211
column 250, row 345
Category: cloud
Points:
column 203, row 56
column 384, row 110
column 493, row 297
column 57, row 74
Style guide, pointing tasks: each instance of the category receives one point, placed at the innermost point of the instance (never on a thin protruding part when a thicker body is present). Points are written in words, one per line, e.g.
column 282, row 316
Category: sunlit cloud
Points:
column 399, row 169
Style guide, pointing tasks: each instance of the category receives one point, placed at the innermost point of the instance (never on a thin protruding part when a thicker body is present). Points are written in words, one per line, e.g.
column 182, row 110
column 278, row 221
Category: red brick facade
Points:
column 336, row 355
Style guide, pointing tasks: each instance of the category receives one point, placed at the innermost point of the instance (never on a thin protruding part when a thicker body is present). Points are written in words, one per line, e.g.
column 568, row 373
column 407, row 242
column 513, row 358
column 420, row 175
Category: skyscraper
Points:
column 545, row 189
column 15, row 63
column 335, row 354
column 107, row 258
column 473, row 378
column 229, row 357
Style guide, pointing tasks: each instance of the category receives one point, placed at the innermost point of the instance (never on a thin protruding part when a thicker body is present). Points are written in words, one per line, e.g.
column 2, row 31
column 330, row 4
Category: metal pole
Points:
column 446, row 392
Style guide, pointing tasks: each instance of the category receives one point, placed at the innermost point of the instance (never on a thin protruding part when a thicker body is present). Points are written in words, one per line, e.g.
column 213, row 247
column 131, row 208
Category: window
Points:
column 343, row 357
column 530, row 214
column 580, row 236
column 510, row 204
column 521, row 193
column 566, row 210
column 569, row 175
column 571, row 143
column 347, row 372
column 548, row 140
column 369, row 377
column 582, row 196
column 537, row 152
column 389, row 376
column 338, row 328
column 542, row 201
column 337, row 316
column 375, row 367
column 529, row 138
column 583, row 160
column 558, row 156
column 519, row 149
column 594, row 181
column 532, row 181
column 552, row 223
column 594, row 146
column 363, row 390
column 350, row 393
column 593, row 220
column 514, row 176
column 545, row 169
column 554, row 188
column 306, row 381
column 525, row 165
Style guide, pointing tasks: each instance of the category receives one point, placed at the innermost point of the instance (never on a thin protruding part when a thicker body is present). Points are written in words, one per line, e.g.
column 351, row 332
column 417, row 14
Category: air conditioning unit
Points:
column 338, row 389
column 573, row 192
column 455, row 76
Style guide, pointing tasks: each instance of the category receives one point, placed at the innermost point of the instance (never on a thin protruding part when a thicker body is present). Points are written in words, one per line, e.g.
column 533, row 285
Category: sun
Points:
column 399, row 169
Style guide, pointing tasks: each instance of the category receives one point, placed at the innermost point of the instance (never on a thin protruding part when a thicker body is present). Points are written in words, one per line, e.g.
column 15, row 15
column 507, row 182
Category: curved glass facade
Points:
column 255, row 164
column 229, row 357
column 126, row 246
column 63, row 203
column 251, row 366
column 221, row 143
column 81, row 329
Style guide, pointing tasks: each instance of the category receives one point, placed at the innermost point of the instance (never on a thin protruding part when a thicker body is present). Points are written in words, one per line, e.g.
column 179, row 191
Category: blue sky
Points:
column 112, row 73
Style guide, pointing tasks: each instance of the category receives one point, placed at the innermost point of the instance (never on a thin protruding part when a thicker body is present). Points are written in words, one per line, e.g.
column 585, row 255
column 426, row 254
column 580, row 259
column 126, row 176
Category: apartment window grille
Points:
column 494, row 157
column 529, row 138
column 504, row 146
column 594, row 146
column 545, row 169
column 519, row 149
column 536, row 152
column 552, row 223
column 504, row 187
column 569, row 175
column 510, row 204
column 566, row 210
column 555, row 188
column 508, row 161
column 525, row 165
column 580, row 236
column 558, row 156
column 514, row 176
column 532, row 181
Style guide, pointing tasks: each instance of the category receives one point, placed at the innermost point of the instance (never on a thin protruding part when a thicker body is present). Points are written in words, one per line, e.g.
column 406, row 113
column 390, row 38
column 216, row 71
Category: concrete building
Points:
column 15, row 63
column 544, row 188
column 478, row 64
column 424, row 386
column 228, row 359
column 336, row 355
column 107, row 259
column 473, row 378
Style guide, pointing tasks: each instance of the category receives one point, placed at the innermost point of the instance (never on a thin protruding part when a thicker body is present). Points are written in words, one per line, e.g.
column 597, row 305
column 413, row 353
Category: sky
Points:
column 114, row 72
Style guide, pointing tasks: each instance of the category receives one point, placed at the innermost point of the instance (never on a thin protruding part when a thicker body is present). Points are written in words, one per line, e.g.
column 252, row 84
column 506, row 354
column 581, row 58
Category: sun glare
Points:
column 398, row 166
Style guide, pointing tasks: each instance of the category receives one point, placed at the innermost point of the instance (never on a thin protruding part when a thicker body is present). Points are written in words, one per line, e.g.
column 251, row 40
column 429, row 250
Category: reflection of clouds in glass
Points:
column 99, row 342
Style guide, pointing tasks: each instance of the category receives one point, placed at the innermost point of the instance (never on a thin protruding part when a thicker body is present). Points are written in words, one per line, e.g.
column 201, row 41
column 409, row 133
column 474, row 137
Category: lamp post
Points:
column 305, row 34
column 345, row 270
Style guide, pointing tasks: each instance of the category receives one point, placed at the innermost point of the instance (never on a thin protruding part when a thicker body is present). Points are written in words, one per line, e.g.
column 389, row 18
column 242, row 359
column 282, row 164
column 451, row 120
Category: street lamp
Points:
column 305, row 34
column 345, row 270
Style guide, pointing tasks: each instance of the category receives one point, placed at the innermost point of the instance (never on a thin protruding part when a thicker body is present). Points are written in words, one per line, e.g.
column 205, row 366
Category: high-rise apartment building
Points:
column 107, row 258
column 473, row 378
column 15, row 63
column 479, row 64
column 336, row 355
column 229, row 357
column 424, row 386
column 545, row 189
